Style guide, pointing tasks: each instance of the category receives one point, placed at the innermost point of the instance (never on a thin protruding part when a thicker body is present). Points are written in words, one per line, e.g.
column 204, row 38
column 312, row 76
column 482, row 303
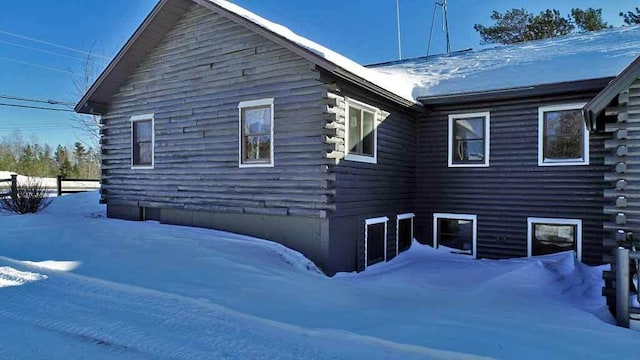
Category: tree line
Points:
column 33, row 159
column 519, row 25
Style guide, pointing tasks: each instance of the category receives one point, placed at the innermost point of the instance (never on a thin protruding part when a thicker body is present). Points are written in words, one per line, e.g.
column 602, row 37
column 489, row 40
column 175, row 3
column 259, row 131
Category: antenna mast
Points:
column 445, row 24
column 399, row 36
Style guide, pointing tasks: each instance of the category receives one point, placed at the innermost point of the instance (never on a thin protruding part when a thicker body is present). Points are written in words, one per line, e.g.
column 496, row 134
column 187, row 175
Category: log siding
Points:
column 193, row 82
column 513, row 187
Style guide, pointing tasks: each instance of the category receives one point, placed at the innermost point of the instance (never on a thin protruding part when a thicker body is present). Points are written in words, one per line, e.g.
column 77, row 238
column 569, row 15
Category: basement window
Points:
column 375, row 240
column 142, row 141
column 361, row 132
column 469, row 140
column 563, row 138
column 256, row 133
column 457, row 232
column 404, row 232
column 548, row 236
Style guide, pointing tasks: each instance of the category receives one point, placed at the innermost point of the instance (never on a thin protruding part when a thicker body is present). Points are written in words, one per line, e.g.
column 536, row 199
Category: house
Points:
column 215, row 117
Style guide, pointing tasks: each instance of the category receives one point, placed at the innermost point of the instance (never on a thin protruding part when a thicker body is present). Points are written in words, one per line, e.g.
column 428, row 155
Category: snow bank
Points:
column 12, row 277
column 49, row 183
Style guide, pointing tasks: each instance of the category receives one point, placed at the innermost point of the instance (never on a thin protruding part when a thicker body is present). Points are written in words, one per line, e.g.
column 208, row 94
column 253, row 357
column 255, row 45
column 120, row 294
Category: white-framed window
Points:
column 550, row 235
column 563, row 138
column 456, row 231
column 469, row 140
column 404, row 231
column 142, row 141
column 361, row 135
column 255, row 145
column 375, row 240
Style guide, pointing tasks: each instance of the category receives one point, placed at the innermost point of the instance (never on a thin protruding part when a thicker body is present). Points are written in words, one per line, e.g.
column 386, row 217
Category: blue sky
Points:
column 364, row 30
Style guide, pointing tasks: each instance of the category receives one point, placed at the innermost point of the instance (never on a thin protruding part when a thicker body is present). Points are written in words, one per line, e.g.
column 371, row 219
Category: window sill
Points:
column 142, row 167
column 361, row 158
column 255, row 165
column 468, row 165
column 563, row 163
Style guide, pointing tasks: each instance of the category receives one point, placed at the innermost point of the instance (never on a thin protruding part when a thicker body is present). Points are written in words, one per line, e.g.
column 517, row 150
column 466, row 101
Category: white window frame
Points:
column 570, row 162
column 144, row 117
column 376, row 122
column 249, row 104
column 404, row 217
column 373, row 221
column 449, row 216
column 487, row 142
column 554, row 221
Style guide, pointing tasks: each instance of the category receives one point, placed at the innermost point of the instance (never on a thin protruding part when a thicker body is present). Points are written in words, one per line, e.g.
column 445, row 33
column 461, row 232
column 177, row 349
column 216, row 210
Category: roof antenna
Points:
column 445, row 24
column 399, row 37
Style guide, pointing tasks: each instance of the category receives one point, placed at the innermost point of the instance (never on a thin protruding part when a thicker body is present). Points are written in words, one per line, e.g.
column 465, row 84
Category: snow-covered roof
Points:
column 573, row 57
column 382, row 79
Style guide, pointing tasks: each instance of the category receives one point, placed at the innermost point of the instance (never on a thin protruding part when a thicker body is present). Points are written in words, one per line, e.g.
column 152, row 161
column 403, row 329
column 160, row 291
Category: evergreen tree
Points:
column 631, row 17
column 589, row 20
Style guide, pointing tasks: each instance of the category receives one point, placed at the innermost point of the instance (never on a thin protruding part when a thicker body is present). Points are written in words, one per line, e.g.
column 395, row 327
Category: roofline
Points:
column 519, row 92
column 80, row 106
column 596, row 106
column 98, row 108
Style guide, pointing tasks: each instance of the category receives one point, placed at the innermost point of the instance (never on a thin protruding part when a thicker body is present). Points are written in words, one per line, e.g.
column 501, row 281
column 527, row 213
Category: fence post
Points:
column 59, row 184
column 622, row 287
column 14, row 186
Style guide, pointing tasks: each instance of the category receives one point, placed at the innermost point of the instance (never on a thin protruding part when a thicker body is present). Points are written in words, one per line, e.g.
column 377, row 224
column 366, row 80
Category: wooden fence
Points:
column 624, row 259
column 63, row 186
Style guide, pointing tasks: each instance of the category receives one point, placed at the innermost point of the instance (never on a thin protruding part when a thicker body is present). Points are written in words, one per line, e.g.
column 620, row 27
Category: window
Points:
column 256, row 133
column 469, row 140
column 548, row 236
column 142, row 141
column 563, row 138
column 455, row 231
column 361, row 133
column 404, row 232
column 375, row 240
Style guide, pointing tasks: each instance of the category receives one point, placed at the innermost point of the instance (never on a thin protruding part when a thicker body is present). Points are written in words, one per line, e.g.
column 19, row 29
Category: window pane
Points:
column 468, row 151
column 563, row 135
column 142, row 153
column 552, row 238
column 404, row 234
column 375, row 243
column 368, row 133
column 257, row 120
column 468, row 140
column 142, row 130
column 456, row 234
column 355, row 129
column 257, row 148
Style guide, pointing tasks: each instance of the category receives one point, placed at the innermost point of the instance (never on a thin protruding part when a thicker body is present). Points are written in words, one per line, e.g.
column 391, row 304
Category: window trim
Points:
column 373, row 221
column 349, row 102
column 554, row 221
column 450, row 216
column 138, row 118
column 487, row 142
column 585, row 150
column 249, row 104
column 404, row 217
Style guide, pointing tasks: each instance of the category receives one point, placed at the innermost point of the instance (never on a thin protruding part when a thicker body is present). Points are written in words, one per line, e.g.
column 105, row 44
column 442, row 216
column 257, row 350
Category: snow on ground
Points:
column 147, row 290
column 49, row 183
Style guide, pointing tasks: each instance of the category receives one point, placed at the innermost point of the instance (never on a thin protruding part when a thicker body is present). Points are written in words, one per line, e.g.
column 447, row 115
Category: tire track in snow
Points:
column 138, row 323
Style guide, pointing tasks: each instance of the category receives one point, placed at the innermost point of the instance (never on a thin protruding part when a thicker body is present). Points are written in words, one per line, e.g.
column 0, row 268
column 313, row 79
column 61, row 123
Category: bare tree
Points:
column 87, row 125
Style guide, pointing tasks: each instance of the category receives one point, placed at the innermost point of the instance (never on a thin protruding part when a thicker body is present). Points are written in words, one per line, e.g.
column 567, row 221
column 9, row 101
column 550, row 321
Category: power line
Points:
column 35, row 107
column 51, row 102
column 53, row 44
column 46, row 51
column 40, row 66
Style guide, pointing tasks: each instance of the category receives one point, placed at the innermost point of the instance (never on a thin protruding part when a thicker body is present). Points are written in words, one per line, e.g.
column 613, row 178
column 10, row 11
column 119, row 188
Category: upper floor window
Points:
column 256, row 133
column 142, row 141
column 361, row 134
column 469, row 140
column 563, row 138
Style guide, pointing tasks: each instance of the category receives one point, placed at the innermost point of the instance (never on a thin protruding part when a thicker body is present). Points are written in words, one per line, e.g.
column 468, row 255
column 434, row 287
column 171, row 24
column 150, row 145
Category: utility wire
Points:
column 46, row 51
column 54, row 45
column 40, row 66
column 35, row 107
column 51, row 102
